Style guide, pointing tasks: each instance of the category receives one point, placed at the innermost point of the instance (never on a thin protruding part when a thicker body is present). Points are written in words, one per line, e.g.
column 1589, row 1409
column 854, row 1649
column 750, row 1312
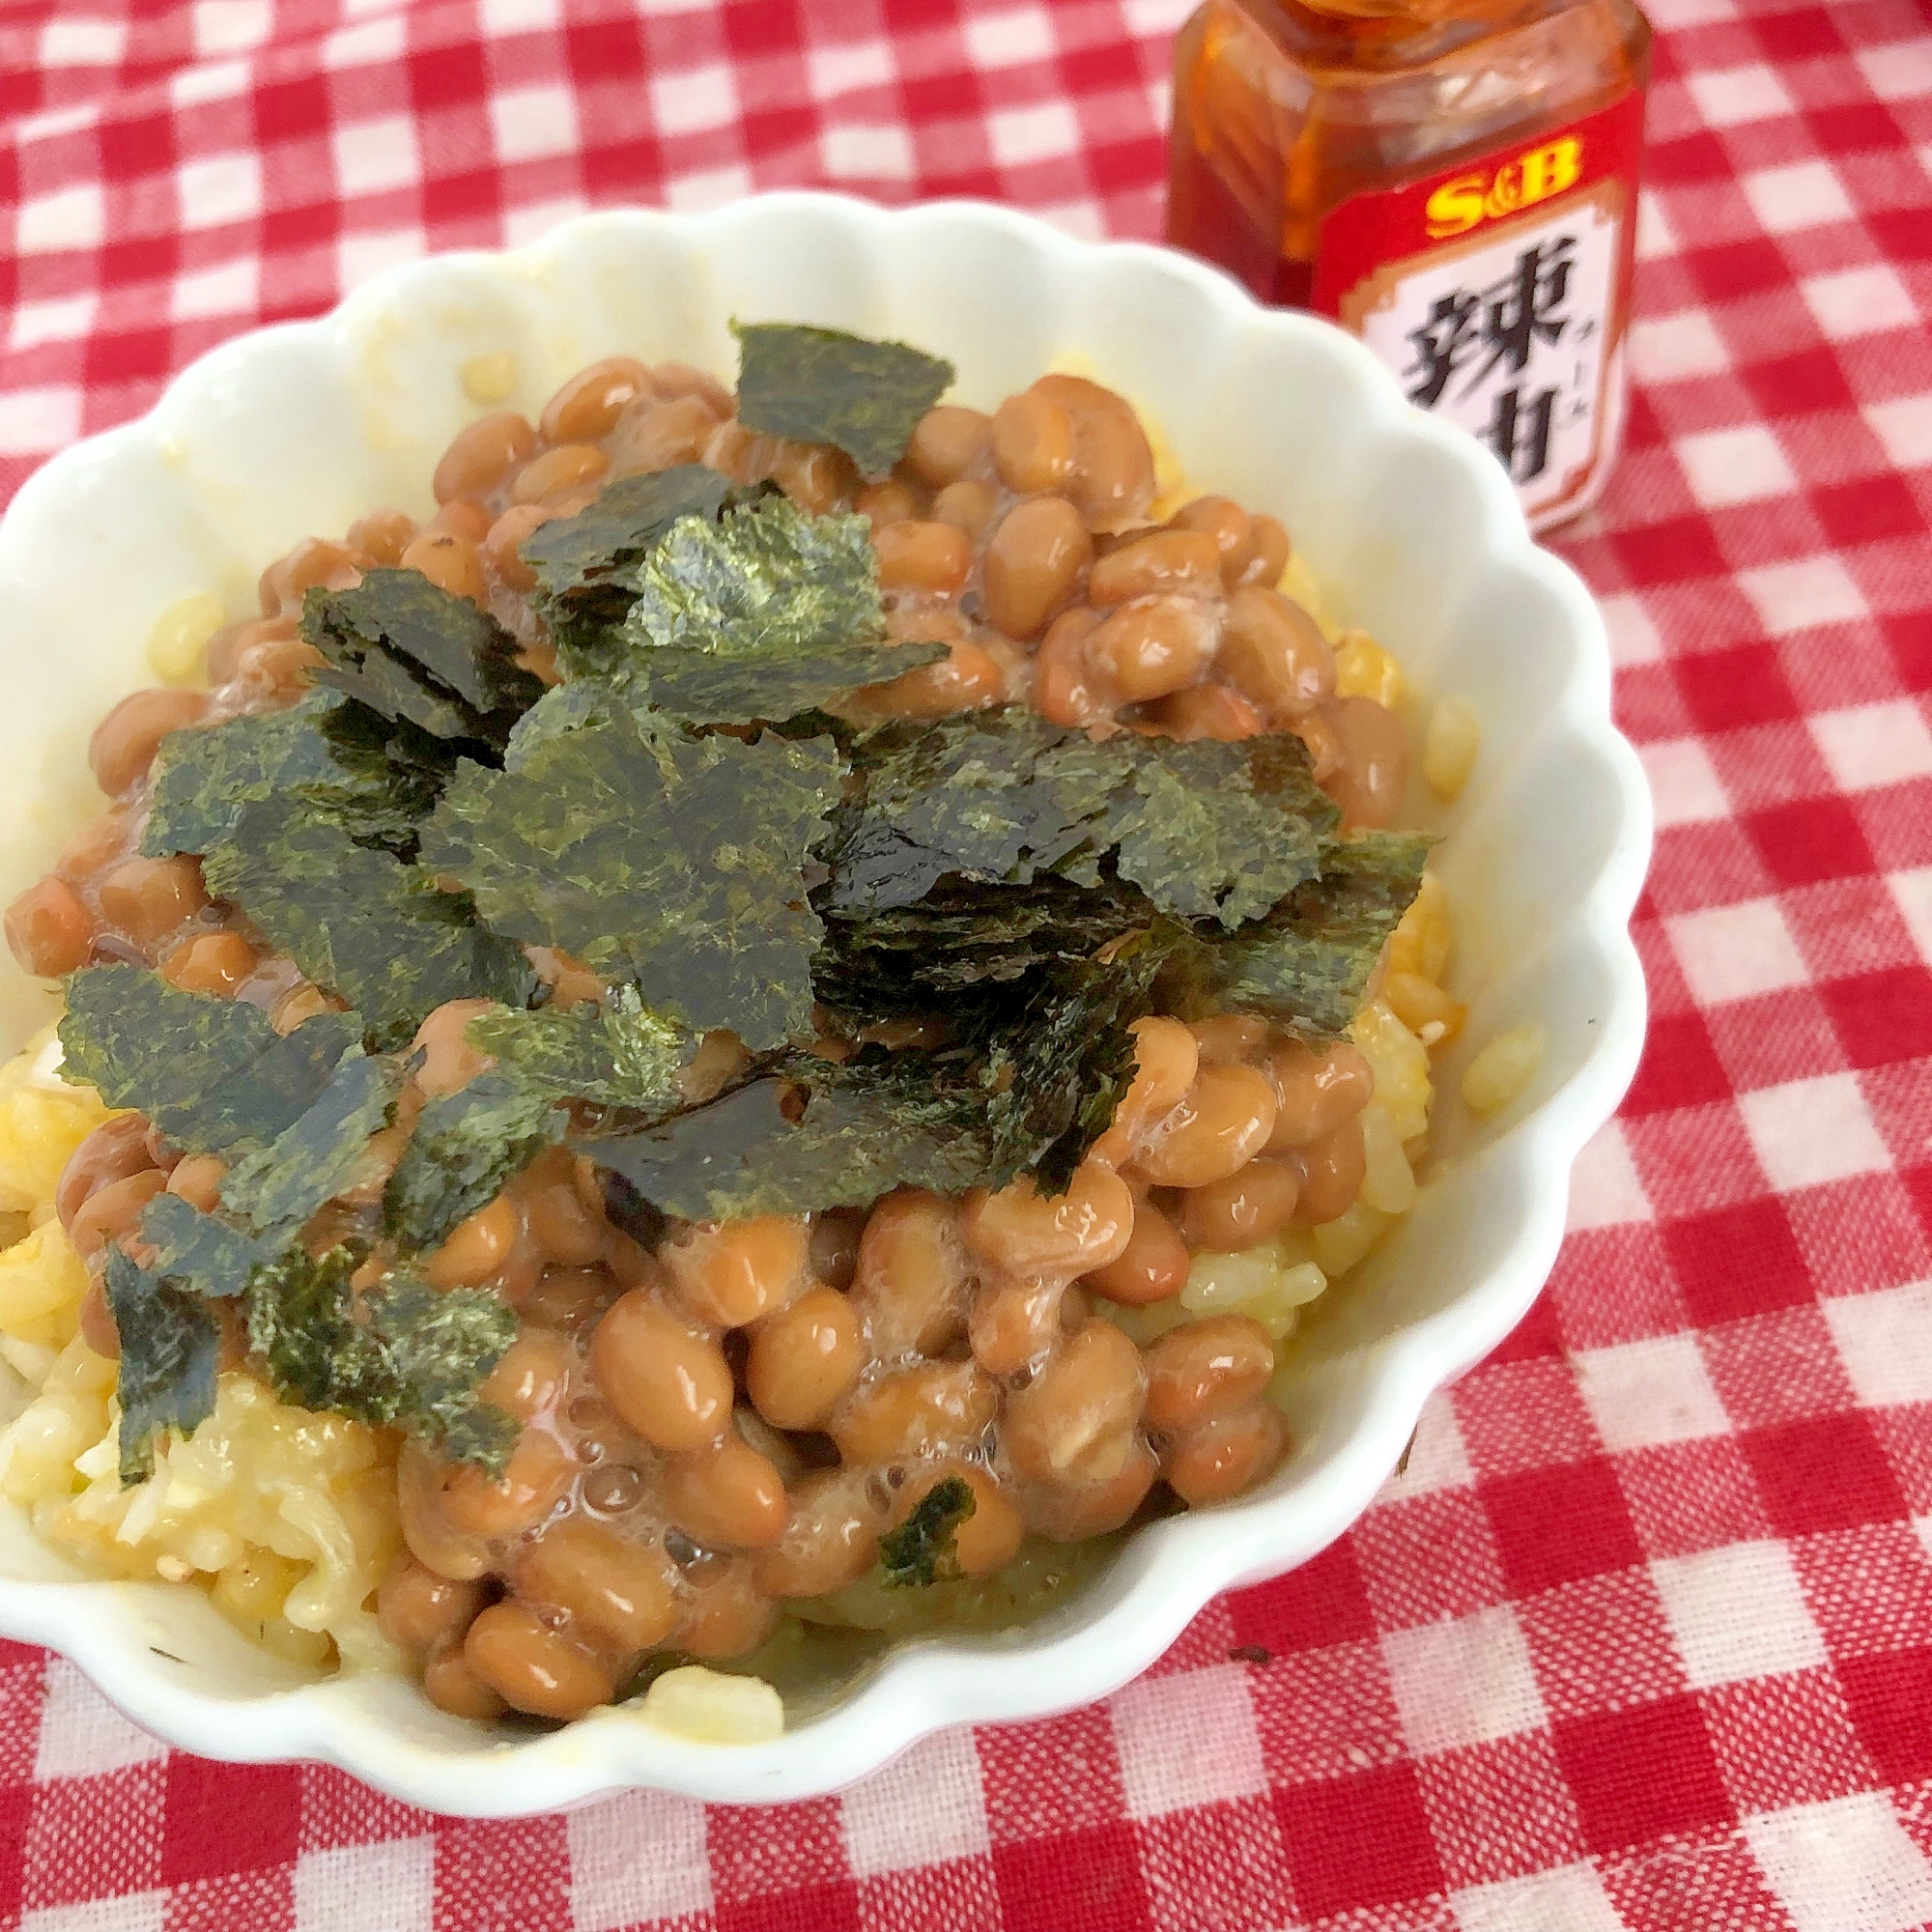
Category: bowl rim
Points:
column 926, row 1684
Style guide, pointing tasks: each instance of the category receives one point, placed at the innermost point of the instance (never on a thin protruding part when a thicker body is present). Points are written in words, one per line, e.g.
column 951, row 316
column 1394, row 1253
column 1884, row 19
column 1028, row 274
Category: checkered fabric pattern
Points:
column 1643, row 1635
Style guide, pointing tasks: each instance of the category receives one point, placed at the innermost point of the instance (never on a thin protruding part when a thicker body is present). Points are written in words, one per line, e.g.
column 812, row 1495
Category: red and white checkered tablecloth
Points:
column 1644, row 1637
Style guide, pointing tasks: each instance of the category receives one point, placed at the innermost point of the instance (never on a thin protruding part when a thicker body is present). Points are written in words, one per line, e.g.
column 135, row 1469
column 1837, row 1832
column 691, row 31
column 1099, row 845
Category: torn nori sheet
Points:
column 415, row 1360
column 1204, row 830
column 762, row 613
column 675, row 862
column 923, row 1550
column 814, row 384
column 211, row 1075
column 1308, row 966
column 202, row 1250
column 464, row 1147
column 410, row 650
column 612, row 1052
column 275, row 1190
column 1030, row 1085
column 583, row 562
column 169, row 1346
column 324, row 748
column 361, row 923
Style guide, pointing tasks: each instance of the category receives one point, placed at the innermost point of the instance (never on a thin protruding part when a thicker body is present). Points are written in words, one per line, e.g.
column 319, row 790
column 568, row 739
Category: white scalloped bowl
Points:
column 1411, row 531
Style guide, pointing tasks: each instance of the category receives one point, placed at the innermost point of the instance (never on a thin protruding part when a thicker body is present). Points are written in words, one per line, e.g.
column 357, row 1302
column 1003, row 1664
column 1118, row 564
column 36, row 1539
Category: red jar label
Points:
column 1496, row 292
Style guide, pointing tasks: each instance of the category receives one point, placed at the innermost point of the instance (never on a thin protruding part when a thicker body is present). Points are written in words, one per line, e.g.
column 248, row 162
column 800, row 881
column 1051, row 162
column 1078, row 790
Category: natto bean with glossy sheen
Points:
column 534, row 1373
column 1374, row 772
column 124, row 742
column 923, row 556
column 197, row 1180
column 1228, row 1456
column 725, row 1617
column 1318, row 1089
column 831, row 1539
column 1211, row 710
column 215, row 962
column 967, row 505
column 946, row 442
column 937, row 1408
column 1074, row 1422
column 1074, row 1512
column 502, row 547
column 450, row 562
column 669, row 1382
column 382, row 536
column 481, row 455
column 275, row 669
column 1161, row 560
column 1273, row 652
column 1206, row 1368
column 1037, row 1236
column 113, row 1210
column 914, row 1278
column 1113, row 480
column 476, row 1247
column 619, row 1590
column 1154, row 646
column 726, row 1497
column 462, row 518
column 1225, row 1039
column 539, row 1471
column 1167, row 1059
column 314, row 564
column 1033, row 443
column 419, row 1610
column 450, row 1685
column 49, row 931
column 116, row 1149
column 1032, row 564
column 965, row 679
column 1013, row 1323
column 1223, row 1121
column 104, row 839
column 1331, row 1173
column 569, row 1299
column 1065, row 687
column 568, row 467
column 804, row 1359
column 1270, row 554
column 147, row 899
column 565, row 1231
column 533, row 1668
column 1251, row 1204
column 449, row 1063
column 1226, row 523
column 1149, row 1268
column 586, row 404
column 738, row 1270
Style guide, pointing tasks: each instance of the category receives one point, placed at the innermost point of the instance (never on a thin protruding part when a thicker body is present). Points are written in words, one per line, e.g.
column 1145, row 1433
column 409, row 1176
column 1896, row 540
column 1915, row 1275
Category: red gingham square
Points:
column 1691, row 1495
column 1824, row 1475
column 1787, row 1740
column 1356, row 1841
column 1601, row 1644
column 1641, row 1640
column 1641, row 1771
column 1560, row 1522
column 1501, row 1809
column 1321, row 1713
column 1217, row 1869
column 1435, row 1556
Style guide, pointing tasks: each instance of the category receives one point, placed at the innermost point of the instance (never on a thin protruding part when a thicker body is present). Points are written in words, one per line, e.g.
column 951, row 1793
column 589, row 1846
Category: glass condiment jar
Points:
column 1454, row 181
